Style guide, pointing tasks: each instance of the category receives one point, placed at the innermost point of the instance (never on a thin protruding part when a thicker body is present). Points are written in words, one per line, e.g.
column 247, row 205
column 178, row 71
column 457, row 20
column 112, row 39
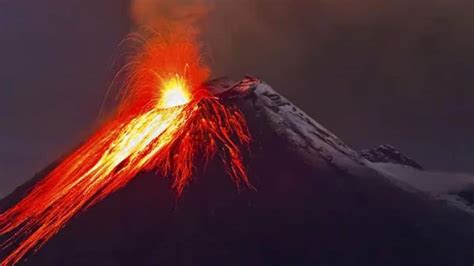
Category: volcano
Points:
column 312, row 201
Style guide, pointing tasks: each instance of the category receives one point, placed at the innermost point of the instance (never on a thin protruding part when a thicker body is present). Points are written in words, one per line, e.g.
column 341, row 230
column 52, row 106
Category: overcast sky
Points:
column 373, row 72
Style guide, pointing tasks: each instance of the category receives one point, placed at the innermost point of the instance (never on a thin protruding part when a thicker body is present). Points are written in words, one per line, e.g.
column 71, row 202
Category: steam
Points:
column 161, row 15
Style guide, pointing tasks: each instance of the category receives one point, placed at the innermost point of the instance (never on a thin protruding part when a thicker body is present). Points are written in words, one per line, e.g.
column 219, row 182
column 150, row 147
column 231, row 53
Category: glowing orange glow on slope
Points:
column 166, row 121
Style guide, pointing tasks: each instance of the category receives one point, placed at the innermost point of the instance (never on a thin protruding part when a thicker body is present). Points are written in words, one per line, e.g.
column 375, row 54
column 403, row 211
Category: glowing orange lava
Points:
column 174, row 93
column 166, row 119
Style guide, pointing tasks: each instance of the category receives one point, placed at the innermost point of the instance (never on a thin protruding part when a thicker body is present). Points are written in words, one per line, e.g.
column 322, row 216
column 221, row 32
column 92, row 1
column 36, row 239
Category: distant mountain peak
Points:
column 388, row 154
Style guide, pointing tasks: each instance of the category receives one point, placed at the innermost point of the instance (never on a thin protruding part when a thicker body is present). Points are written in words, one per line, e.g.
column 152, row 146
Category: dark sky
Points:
column 373, row 72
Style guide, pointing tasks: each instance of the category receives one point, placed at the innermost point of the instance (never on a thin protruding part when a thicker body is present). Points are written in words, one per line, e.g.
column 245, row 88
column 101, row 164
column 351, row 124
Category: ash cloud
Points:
column 162, row 15
column 375, row 72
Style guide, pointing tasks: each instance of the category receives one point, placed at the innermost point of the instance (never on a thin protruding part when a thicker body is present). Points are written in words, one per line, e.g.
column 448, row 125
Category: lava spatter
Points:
column 165, row 120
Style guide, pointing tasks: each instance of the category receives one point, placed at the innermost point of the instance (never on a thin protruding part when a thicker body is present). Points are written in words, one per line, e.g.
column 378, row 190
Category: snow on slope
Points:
column 319, row 145
column 445, row 186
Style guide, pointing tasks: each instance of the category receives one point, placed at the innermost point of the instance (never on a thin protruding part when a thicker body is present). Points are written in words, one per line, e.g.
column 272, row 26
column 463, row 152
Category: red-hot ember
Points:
column 165, row 120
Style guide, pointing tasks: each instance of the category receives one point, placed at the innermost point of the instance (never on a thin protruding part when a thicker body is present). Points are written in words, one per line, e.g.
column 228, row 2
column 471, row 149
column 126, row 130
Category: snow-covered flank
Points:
column 305, row 134
column 451, row 187
column 321, row 148
column 318, row 145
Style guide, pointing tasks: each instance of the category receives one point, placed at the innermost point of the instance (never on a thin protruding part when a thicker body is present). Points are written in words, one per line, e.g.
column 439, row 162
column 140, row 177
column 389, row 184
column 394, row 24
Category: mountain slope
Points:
column 456, row 189
column 317, row 202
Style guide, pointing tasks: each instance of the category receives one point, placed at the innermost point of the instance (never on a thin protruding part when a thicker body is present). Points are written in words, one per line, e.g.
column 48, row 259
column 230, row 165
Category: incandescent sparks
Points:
column 165, row 122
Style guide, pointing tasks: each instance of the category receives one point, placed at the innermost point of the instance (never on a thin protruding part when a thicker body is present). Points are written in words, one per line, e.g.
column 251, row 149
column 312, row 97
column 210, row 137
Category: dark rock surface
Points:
column 388, row 154
column 316, row 203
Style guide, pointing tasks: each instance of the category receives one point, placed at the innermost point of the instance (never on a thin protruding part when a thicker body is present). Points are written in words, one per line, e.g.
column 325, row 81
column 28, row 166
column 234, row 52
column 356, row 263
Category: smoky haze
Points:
column 374, row 72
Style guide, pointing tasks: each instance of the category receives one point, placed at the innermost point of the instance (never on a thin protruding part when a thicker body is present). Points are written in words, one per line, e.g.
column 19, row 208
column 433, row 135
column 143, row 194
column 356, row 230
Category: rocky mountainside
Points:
column 388, row 154
column 317, row 202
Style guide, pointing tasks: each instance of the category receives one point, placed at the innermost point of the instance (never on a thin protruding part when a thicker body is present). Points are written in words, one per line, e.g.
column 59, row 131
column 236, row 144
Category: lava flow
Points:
column 164, row 121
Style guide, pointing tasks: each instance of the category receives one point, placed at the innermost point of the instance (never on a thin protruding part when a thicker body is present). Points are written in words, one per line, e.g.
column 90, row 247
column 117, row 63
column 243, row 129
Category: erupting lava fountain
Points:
column 165, row 120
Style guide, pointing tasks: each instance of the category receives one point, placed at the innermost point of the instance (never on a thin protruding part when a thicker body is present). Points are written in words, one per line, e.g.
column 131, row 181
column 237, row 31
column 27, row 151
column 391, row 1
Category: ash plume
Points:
column 173, row 15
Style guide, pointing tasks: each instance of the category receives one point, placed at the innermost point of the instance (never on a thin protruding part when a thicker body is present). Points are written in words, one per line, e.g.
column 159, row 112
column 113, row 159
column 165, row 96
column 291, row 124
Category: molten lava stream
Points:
column 165, row 120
